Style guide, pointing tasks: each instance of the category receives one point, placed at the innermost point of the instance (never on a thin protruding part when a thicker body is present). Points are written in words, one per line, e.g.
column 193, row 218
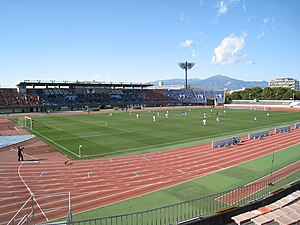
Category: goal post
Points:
column 28, row 122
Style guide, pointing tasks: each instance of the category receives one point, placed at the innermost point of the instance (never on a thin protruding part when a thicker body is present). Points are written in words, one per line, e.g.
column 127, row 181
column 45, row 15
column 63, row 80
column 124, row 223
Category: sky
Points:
column 144, row 40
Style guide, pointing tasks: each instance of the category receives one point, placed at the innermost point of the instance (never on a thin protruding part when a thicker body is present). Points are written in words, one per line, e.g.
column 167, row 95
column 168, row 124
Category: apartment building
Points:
column 285, row 82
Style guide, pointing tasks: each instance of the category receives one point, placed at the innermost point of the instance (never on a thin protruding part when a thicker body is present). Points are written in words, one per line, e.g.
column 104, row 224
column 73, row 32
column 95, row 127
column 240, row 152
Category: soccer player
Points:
column 204, row 122
column 137, row 116
column 154, row 118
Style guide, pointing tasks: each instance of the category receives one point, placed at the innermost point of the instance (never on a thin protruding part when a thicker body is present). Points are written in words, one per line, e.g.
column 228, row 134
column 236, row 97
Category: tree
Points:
column 268, row 93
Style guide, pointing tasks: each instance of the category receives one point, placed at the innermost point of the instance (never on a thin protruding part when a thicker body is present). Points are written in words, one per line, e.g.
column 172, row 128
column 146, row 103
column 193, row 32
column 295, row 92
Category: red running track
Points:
column 100, row 182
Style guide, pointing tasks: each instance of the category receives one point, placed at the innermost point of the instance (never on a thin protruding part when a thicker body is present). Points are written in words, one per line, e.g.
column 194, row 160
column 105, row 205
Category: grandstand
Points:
column 41, row 96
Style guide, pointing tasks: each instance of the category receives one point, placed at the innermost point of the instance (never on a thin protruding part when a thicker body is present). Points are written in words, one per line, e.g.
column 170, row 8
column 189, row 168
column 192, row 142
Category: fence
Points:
column 173, row 214
column 31, row 212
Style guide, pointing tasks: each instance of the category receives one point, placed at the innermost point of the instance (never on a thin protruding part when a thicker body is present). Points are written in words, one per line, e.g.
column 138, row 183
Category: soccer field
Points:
column 122, row 133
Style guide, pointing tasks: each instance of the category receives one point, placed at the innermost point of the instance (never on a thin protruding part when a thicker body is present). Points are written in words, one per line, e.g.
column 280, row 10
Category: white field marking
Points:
column 30, row 192
column 56, row 128
column 56, row 143
column 227, row 134
column 86, row 136
column 11, row 149
column 105, row 125
column 16, row 129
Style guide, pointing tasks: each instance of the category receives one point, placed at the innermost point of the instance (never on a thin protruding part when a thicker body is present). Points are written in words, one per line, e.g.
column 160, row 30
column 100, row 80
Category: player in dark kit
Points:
column 20, row 154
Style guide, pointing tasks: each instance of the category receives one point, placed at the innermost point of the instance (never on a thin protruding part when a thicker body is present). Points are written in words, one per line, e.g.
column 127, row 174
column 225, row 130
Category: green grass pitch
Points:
column 102, row 135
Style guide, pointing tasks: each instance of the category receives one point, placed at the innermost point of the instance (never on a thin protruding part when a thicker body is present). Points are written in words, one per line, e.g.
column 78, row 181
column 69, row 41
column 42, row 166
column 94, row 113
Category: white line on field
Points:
column 55, row 143
column 86, row 136
column 105, row 125
column 56, row 128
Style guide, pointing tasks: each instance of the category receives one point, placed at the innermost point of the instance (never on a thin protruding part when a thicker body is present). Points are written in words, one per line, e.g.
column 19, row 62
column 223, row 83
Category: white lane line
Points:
column 30, row 192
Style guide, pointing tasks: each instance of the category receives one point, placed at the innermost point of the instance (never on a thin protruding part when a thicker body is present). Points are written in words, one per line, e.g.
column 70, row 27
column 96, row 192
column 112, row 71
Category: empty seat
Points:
column 245, row 217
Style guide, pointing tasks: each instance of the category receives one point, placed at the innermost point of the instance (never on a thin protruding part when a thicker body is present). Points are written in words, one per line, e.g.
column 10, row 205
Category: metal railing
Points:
column 31, row 211
column 172, row 214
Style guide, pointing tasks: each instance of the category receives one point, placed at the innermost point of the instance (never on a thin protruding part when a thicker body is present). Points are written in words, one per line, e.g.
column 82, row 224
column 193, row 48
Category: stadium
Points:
column 131, row 153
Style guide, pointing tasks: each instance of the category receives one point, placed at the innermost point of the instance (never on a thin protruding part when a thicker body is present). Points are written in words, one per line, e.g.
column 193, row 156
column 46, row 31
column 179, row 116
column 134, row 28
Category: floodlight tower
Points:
column 186, row 66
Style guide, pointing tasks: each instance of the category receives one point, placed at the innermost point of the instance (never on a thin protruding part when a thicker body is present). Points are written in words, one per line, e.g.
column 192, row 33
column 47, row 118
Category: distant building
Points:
column 286, row 82
column 160, row 83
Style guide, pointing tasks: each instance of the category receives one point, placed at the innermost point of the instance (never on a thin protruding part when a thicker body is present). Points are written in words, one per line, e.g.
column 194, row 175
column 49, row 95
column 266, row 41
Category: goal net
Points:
column 28, row 122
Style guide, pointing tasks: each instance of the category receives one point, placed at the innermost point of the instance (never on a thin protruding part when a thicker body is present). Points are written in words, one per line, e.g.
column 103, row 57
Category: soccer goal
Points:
column 28, row 122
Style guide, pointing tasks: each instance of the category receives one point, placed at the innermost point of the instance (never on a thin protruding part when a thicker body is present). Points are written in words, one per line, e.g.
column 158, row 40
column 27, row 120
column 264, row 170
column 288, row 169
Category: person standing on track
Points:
column 20, row 153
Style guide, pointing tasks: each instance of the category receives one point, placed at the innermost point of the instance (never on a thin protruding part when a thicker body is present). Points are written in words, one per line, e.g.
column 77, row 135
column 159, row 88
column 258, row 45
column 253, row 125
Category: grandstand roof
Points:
column 42, row 83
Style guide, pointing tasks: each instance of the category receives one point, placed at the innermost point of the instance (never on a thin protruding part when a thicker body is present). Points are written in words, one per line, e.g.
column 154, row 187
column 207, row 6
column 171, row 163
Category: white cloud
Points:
column 223, row 6
column 251, row 62
column 230, row 50
column 267, row 23
column 186, row 43
column 244, row 8
column 261, row 34
column 189, row 44
column 182, row 18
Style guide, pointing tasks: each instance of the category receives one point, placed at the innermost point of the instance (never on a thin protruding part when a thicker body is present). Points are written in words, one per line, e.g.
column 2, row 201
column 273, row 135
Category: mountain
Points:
column 217, row 81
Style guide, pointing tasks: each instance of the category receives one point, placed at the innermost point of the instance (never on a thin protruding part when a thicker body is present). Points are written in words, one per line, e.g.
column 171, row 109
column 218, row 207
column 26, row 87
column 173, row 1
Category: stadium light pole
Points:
column 186, row 66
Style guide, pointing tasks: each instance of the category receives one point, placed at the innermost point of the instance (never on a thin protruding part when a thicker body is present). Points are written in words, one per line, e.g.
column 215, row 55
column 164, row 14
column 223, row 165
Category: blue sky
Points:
column 143, row 40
